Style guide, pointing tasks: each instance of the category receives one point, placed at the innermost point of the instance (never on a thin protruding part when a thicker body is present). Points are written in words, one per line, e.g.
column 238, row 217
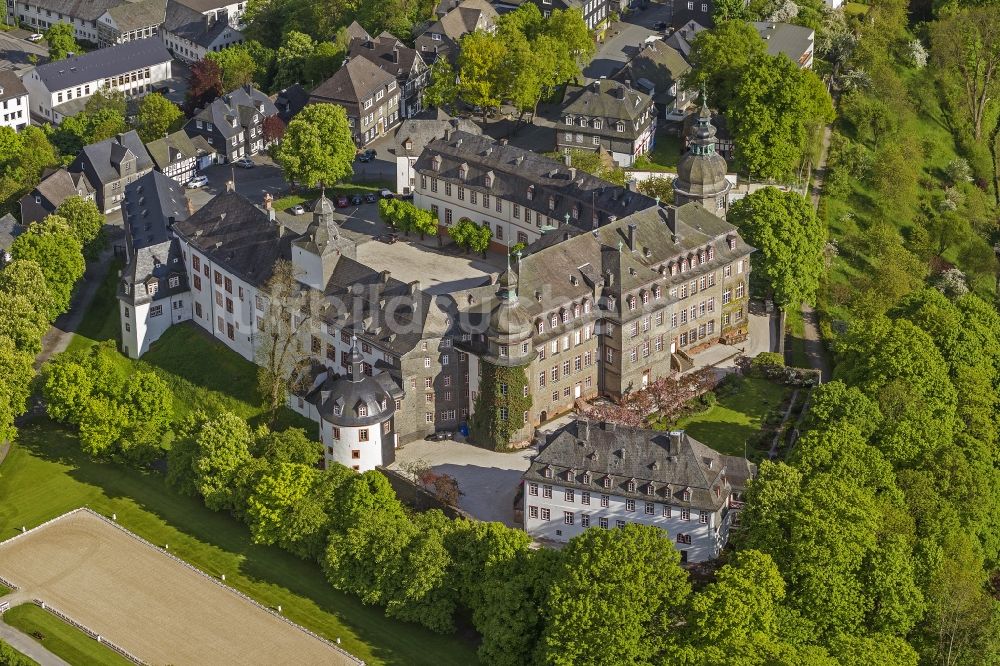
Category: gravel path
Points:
column 28, row 646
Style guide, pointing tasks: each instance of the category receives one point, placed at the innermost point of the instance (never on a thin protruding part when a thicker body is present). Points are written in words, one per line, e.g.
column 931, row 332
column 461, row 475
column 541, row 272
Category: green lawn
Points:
column 736, row 418
column 4, row 590
column 60, row 638
column 310, row 195
column 855, row 8
column 664, row 155
column 49, row 475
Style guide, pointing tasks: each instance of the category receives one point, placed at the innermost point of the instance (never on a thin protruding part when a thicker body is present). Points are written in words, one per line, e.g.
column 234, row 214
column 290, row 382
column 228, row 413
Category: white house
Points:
column 591, row 475
column 60, row 89
column 14, row 111
column 191, row 33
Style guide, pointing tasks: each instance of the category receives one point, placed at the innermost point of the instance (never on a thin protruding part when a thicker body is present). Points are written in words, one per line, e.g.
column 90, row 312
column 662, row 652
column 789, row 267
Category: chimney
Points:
column 628, row 83
column 268, row 201
column 503, row 141
column 395, row 54
column 630, row 185
column 270, row 215
column 668, row 217
column 572, row 173
column 631, row 236
column 230, row 186
column 568, row 159
column 209, row 20
column 597, row 85
column 414, row 287
column 384, row 276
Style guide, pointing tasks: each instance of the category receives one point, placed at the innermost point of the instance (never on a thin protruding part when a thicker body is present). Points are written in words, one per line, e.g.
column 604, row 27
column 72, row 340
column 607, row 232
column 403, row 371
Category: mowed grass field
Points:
column 62, row 639
column 45, row 475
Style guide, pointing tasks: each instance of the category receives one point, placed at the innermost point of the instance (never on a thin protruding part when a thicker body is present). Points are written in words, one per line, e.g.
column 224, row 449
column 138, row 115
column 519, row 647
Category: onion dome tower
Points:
column 701, row 172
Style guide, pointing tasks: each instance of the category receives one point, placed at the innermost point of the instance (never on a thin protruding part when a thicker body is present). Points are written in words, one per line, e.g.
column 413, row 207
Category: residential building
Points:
column 43, row 14
column 369, row 95
column 701, row 172
column 14, row 105
column 60, row 89
column 290, row 101
column 128, row 21
column 441, row 38
column 595, row 12
column 698, row 11
column 518, row 193
column 599, row 475
column 795, row 41
column 10, row 229
column 178, row 156
column 390, row 54
column 657, row 70
column 112, row 164
column 234, row 123
column 609, row 117
column 231, row 11
column 154, row 291
column 56, row 186
column 682, row 36
column 191, row 34
column 413, row 136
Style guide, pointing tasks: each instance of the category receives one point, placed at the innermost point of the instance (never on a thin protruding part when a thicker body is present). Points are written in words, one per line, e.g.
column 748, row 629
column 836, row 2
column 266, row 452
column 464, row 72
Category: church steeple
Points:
column 701, row 172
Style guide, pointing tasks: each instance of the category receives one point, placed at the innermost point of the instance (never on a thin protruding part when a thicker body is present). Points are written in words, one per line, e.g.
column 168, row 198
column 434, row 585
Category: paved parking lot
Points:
column 488, row 480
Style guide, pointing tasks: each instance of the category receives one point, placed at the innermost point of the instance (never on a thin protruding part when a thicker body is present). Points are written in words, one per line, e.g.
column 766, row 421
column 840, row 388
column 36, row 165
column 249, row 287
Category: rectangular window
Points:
column 605, row 501
column 533, row 512
column 363, row 435
column 547, row 492
column 603, row 522
column 703, row 517
column 546, row 514
column 584, row 521
column 156, row 311
column 569, row 495
column 585, row 498
column 533, row 489
column 685, row 514
column 650, row 509
column 630, row 505
column 568, row 517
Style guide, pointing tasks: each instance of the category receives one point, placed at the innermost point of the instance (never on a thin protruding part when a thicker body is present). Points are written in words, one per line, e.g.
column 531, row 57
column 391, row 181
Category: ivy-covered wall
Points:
column 487, row 428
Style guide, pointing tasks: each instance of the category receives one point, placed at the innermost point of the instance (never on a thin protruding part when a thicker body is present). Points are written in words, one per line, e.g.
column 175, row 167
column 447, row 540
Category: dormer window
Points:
column 686, row 495
column 585, row 478
column 531, row 192
column 650, row 490
column 611, row 302
column 362, row 410
column 631, row 302
column 673, row 269
column 569, row 120
column 463, row 171
column 554, row 320
column 552, row 203
column 436, row 163
column 657, row 292
column 607, row 482
column 576, row 311
column 597, row 123
column 711, row 252
column 701, row 256
column 684, row 265
column 731, row 240
column 541, row 326
column 547, row 472
column 630, row 486
column 488, row 179
column 337, row 410
column 645, row 296
column 576, row 212
column 583, row 122
column 586, row 307
column 621, row 126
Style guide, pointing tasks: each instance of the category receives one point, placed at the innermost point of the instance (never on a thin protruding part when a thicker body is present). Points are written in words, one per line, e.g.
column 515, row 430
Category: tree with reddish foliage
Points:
column 666, row 396
column 204, row 84
column 273, row 129
column 444, row 487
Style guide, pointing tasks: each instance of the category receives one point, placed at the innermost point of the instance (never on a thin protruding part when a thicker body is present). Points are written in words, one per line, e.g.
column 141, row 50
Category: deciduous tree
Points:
column 237, row 64
column 21, row 322
column 85, row 220
column 318, row 146
column 204, row 85
column 61, row 40
column 25, row 277
column 223, row 449
column 158, row 116
column 53, row 246
column 966, row 49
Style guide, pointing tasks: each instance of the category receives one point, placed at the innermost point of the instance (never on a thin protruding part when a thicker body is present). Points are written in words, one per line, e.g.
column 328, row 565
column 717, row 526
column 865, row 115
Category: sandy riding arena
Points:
column 149, row 603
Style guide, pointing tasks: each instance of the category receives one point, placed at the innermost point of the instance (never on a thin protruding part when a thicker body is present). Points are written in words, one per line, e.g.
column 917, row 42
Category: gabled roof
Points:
column 102, row 63
column 102, row 161
column 10, row 85
column 606, row 99
column 231, row 111
column 290, row 101
column 172, row 148
column 61, row 185
column 670, row 464
column 792, row 40
column 194, row 26
column 418, row 131
column 464, row 18
column 356, row 31
column 89, row 10
column 137, row 14
column 388, row 53
column 355, row 81
column 658, row 63
column 10, row 229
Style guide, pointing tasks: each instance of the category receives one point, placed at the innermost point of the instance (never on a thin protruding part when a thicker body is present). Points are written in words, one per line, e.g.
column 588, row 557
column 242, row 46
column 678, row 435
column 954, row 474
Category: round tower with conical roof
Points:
column 701, row 172
column 356, row 415
column 501, row 417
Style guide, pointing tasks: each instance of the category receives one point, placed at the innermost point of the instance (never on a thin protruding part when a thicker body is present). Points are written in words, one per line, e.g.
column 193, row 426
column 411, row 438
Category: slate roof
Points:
column 425, row 127
column 355, row 81
column 658, row 64
column 103, row 63
column 791, row 40
column 10, row 229
column 388, row 53
column 88, row 10
column 571, row 270
column 517, row 171
column 357, row 31
column 662, row 465
column 206, row 5
column 61, row 185
column 10, row 85
column 172, row 148
column 341, row 400
column 234, row 233
column 239, row 105
column 100, row 161
column 290, row 101
column 465, row 18
column 680, row 38
column 137, row 14
column 190, row 24
column 151, row 206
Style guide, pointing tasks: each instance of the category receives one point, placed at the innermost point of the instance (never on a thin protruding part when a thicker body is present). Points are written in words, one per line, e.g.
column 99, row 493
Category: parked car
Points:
column 367, row 156
column 388, row 239
column 197, row 181
column 386, row 194
column 341, row 201
column 356, row 200
column 35, row 37
column 298, row 210
column 441, row 436
column 370, row 198
column 244, row 163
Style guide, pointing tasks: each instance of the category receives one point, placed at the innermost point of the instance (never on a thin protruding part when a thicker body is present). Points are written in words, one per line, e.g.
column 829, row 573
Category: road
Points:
column 623, row 39
column 29, row 647
column 15, row 50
